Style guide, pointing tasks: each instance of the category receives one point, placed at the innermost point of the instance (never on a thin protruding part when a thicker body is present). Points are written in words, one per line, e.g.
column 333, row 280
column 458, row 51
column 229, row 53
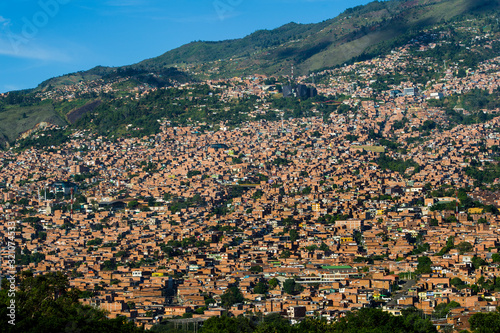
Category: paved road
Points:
column 402, row 292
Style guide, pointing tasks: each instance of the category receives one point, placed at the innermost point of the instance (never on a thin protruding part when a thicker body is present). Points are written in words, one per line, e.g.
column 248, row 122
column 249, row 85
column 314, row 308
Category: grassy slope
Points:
column 199, row 52
column 17, row 119
column 308, row 47
column 12, row 122
column 315, row 46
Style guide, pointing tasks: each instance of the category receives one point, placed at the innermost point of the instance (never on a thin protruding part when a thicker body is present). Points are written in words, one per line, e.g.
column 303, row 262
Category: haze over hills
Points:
column 359, row 33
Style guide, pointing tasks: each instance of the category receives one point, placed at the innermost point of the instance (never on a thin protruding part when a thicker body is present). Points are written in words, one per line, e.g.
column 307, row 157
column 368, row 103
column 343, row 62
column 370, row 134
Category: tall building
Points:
column 410, row 91
column 312, row 92
column 395, row 93
column 63, row 187
column 300, row 91
column 288, row 91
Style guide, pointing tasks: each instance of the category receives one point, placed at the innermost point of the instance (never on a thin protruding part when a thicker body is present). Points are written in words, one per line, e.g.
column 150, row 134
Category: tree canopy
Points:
column 365, row 320
column 232, row 296
column 44, row 303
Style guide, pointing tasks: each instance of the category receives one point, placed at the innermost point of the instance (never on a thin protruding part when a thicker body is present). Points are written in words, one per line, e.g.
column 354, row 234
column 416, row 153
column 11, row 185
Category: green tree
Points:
column 256, row 269
column 478, row 262
column 273, row 322
column 95, row 241
column 291, row 287
column 260, row 288
column 44, row 304
column 133, row 204
column 464, row 247
column 424, row 265
column 192, row 173
column 109, row 265
column 225, row 324
column 285, row 254
column 458, row 283
column 311, row 248
column 397, row 165
column 200, row 310
column 324, row 247
column 450, row 244
column 209, row 301
column 294, row 235
column 369, row 320
column 442, row 309
column 258, row 194
column 232, row 296
column 488, row 322
column 273, row 283
column 482, row 220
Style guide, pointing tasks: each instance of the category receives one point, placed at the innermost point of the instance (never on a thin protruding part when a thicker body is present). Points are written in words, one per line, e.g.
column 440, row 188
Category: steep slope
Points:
column 357, row 32
column 16, row 119
column 160, row 78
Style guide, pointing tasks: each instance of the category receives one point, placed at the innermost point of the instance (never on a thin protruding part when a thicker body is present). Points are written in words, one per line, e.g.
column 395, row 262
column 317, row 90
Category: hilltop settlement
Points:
column 360, row 186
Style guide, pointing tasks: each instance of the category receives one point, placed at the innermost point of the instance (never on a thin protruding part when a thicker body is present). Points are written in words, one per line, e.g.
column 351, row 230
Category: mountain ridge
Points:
column 312, row 47
column 360, row 33
column 308, row 47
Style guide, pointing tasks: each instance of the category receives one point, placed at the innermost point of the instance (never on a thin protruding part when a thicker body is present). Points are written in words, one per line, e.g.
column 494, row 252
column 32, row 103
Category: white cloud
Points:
column 21, row 45
column 4, row 22
column 18, row 47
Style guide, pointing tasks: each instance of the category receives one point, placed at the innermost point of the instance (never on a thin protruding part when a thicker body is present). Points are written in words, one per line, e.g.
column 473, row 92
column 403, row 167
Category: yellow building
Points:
column 476, row 210
column 346, row 240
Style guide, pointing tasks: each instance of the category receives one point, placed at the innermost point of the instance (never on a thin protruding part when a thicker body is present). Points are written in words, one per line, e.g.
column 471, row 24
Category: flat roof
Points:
column 336, row 267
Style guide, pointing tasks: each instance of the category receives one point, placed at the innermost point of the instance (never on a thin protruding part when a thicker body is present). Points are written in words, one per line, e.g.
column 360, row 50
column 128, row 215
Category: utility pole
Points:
column 282, row 124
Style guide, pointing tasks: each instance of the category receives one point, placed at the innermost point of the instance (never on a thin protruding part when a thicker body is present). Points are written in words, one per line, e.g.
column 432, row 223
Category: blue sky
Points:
column 40, row 39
